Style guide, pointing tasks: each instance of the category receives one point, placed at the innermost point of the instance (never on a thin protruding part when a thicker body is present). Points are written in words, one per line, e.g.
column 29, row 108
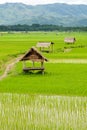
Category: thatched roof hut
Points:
column 43, row 45
column 70, row 40
column 35, row 56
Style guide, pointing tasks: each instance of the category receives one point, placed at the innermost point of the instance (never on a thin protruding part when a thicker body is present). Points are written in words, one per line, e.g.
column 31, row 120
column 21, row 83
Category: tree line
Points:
column 38, row 27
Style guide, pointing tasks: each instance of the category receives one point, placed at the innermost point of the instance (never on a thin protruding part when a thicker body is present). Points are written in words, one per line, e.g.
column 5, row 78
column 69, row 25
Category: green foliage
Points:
column 38, row 27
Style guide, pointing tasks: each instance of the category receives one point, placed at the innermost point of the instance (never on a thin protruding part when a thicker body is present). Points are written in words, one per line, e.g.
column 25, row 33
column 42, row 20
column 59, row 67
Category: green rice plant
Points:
column 15, row 44
column 29, row 110
column 38, row 112
column 11, row 44
column 59, row 78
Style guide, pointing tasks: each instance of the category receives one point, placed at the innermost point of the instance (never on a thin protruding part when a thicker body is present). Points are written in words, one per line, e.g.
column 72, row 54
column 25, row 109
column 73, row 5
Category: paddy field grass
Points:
column 37, row 112
column 59, row 79
column 56, row 100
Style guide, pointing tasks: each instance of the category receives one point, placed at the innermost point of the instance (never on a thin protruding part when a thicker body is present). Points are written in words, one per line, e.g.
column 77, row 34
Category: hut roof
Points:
column 34, row 55
column 44, row 44
column 69, row 39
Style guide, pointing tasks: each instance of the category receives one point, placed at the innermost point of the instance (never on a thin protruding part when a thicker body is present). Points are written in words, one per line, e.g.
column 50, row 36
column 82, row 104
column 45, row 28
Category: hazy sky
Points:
column 35, row 2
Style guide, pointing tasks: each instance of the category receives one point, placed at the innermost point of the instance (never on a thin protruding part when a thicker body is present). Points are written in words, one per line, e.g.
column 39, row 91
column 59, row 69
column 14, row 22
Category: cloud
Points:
column 75, row 1
column 34, row 2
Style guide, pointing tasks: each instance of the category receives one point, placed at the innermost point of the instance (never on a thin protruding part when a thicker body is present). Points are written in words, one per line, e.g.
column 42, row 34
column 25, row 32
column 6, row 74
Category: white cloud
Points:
column 75, row 1
column 34, row 2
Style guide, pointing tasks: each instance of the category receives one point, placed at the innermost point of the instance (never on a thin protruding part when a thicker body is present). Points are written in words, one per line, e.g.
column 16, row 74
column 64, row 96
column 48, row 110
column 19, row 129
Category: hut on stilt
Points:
column 45, row 46
column 34, row 56
column 70, row 40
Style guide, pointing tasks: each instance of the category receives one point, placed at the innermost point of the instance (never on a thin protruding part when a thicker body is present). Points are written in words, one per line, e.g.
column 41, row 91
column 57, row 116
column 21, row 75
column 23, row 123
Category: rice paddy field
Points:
column 39, row 112
column 56, row 100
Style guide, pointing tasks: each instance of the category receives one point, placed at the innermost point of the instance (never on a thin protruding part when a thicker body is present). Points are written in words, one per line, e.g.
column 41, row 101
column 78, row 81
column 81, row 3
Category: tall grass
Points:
column 37, row 112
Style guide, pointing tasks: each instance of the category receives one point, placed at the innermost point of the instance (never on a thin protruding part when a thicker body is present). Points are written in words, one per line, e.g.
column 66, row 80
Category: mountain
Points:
column 56, row 14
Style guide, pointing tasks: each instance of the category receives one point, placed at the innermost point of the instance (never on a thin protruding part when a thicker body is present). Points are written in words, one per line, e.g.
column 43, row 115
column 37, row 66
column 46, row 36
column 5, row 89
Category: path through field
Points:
column 73, row 61
column 9, row 67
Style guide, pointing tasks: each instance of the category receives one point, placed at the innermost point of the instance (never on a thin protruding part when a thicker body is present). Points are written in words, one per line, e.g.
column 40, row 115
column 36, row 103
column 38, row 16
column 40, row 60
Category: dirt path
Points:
column 9, row 67
column 73, row 61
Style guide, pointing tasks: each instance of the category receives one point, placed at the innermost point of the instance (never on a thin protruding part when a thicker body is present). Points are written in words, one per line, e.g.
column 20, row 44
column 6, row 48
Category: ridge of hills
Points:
column 55, row 14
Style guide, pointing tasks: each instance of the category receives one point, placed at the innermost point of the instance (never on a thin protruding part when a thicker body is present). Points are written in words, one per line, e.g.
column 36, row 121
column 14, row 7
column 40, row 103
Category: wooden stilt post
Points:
column 52, row 47
column 42, row 66
column 49, row 49
column 24, row 64
column 33, row 64
column 40, row 48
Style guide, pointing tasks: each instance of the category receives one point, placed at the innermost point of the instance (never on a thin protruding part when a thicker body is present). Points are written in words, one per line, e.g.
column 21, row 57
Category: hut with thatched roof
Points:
column 70, row 40
column 45, row 46
column 34, row 56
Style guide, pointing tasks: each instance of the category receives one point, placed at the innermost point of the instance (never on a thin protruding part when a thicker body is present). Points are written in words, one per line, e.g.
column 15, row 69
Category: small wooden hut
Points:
column 45, row 46
column 34, row 56
column 70, row 40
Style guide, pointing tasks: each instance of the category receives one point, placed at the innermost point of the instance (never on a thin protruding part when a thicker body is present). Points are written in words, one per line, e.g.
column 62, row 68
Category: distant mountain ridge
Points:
column 56, row 14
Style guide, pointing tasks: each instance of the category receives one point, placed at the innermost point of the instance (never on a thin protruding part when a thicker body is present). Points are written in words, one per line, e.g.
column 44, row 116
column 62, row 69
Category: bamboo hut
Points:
column 34, row 56
column 45, row 46
column 70, row 40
